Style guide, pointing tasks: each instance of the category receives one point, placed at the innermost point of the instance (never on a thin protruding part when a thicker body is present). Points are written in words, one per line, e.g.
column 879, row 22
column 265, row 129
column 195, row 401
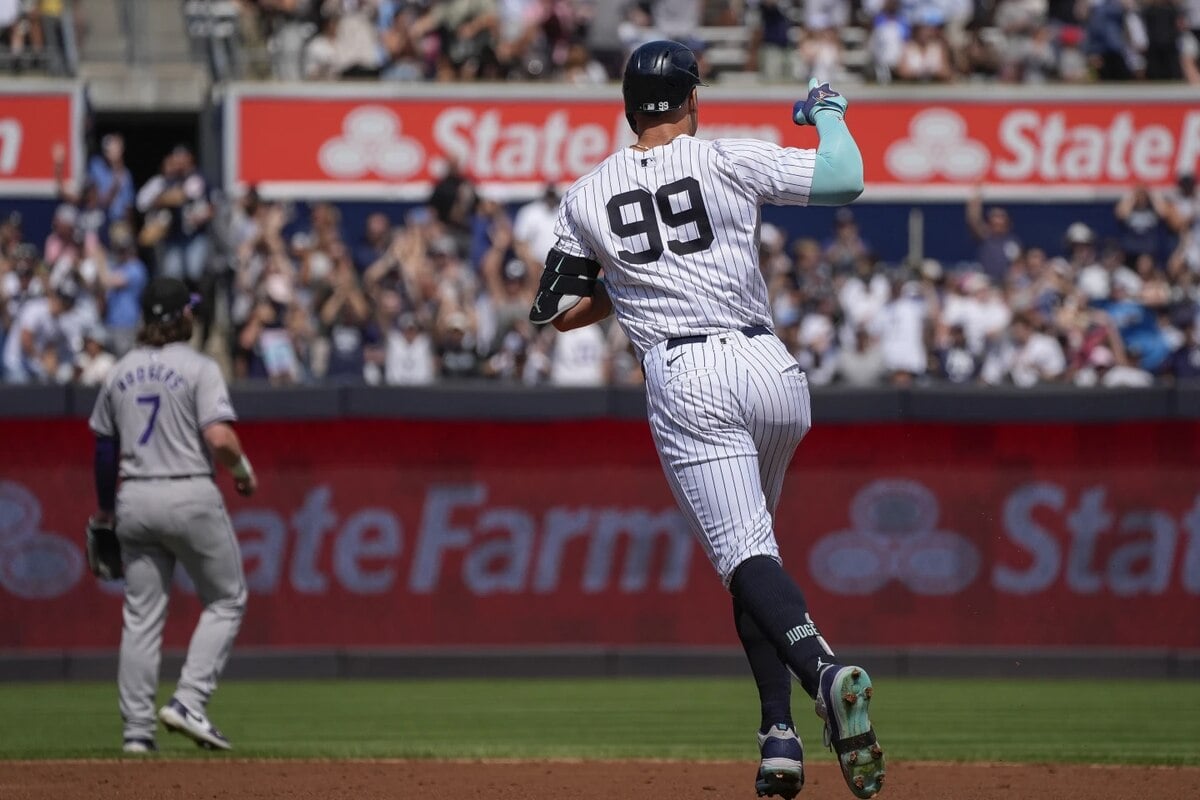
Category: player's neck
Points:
column 658, row 136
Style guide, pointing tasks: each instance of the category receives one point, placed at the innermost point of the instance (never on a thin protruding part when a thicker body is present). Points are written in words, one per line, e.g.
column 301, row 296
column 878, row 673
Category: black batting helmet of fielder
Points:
column 659, row 76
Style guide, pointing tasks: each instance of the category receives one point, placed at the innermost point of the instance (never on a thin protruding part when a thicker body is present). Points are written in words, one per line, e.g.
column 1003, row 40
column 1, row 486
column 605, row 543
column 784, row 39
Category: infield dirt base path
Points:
column 561, row 780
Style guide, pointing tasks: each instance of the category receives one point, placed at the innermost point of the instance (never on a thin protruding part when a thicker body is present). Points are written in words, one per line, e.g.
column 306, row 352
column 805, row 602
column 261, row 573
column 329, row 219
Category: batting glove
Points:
column 820, row 98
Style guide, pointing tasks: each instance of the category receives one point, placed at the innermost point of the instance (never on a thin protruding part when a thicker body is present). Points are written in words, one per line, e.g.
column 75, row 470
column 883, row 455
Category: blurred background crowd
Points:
column 293, row 296
column 584, row 41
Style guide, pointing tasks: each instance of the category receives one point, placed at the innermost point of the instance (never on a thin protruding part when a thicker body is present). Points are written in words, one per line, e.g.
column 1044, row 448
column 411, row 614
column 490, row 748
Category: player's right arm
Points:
column 226, row 448
column 215, row 414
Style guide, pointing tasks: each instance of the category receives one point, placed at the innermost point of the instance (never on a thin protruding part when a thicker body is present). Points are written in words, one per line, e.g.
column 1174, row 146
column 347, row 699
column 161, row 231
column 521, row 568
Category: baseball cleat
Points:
column 178, row 718
column 842, row 701
column 139, row 747
column 781, row 771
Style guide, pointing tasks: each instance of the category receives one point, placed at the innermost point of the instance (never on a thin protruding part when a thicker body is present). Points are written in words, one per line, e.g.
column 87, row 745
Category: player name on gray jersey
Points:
column 158, row 401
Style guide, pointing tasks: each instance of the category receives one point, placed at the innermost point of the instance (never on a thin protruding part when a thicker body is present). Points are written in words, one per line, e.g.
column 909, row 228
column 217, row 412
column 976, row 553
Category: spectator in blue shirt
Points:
column 108, row 173
column 123, row 279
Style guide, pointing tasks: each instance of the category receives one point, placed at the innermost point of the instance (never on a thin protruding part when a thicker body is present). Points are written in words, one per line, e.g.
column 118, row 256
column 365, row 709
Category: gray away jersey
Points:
column 158, row 401
column 675, row 229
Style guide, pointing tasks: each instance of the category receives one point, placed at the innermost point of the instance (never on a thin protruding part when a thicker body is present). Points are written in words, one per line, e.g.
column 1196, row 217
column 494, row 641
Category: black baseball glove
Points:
column 103, row 550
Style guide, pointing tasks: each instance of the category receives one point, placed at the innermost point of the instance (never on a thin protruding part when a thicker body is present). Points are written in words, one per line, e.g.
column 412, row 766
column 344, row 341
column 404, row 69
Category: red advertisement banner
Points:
column 33, row 122
column 385, row 533
column 512, row 142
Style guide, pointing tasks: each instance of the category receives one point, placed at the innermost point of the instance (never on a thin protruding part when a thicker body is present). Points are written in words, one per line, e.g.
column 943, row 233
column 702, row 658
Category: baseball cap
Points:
column 515, row 270
column 164, row 298
column 1079, row 233
column 66, row 214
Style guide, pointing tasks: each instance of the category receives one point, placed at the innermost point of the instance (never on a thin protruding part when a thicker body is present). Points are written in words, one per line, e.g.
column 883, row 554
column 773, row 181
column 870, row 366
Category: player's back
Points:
column 675, row 229
column 157, row 401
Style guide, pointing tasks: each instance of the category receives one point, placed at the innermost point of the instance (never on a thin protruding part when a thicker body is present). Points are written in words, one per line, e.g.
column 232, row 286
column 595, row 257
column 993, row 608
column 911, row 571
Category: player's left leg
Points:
column 206, row 546
column 781, row 765
column 780, row 416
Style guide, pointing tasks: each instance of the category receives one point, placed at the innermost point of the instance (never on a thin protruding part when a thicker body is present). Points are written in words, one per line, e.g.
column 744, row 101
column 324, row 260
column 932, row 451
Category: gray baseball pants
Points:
column 159, row 523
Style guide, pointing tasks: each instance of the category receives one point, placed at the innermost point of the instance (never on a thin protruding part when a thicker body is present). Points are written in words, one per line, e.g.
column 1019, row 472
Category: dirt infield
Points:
column 558, row 780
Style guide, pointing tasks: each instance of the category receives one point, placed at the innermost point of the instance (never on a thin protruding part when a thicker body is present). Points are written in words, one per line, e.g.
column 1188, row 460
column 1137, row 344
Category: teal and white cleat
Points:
column 842, row 701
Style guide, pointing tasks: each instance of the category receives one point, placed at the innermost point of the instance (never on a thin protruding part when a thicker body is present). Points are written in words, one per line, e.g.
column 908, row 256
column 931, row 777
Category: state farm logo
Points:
column 34, row 565
column 371, row 142
column 937, row 145
column 894, row 536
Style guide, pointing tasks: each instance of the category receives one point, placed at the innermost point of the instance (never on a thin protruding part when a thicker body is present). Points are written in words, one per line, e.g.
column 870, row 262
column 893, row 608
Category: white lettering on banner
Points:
column 263, row 537
column 503, row 550
column 1141, row 565
column 1036, row 147
column 501, row 563
column 312, row 522
column 1038, row 542
column 490, row 149
column 1188, row 156
column 353, row 545
column 643, row 530
column 437, row 535
column 1086, row 523
column 10, row 145
column 1072, row 541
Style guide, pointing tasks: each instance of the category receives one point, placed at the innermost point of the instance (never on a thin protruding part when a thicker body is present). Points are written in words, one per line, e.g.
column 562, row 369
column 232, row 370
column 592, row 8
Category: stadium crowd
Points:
column 39, row 36
column 443, row 294
column 584, row 41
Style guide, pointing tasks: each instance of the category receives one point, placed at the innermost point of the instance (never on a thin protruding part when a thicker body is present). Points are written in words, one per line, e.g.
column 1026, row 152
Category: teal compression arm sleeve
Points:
column 838, row 174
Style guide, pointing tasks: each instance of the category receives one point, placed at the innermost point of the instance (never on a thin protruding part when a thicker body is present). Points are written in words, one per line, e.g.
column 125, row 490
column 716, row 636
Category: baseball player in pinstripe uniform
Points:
column 161, row 417
column 673, row 222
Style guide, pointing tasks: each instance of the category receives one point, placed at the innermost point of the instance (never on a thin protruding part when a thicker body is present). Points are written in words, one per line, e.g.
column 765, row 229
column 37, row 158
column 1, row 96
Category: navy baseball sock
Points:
column 776, row 604
column 772, row 676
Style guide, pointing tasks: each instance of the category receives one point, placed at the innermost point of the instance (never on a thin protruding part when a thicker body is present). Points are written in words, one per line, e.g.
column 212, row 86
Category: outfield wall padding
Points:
column 380, row 533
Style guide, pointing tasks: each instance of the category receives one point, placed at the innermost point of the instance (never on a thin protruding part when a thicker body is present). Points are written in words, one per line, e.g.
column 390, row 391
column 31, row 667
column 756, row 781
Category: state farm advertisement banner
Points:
column 380, row 146
column 383, row 533
column 34, row 121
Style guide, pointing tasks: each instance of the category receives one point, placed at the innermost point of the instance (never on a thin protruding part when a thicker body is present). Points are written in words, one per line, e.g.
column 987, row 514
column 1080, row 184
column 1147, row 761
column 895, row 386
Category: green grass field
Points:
column 1153, row 722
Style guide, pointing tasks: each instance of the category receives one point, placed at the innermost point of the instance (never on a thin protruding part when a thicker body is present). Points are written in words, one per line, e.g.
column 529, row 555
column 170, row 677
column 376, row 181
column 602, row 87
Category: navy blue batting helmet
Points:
column 659, row 76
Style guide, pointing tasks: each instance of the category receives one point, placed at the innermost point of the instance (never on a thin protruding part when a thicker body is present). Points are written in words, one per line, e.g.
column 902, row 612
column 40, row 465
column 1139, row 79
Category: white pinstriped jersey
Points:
column 675, row 229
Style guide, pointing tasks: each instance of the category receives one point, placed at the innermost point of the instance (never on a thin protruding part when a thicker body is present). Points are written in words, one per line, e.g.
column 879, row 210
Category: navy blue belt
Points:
column 752, row 331
column 168, row 477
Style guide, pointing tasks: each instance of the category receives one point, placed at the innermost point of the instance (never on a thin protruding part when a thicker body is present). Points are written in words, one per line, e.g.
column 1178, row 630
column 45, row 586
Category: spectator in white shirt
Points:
column 900, row 326
column 978, row 308
column 409, row 358
column 1026, row 357
column 533, row 228
column 863, row 294
column 579, row 357
column 92, row 365
column 39, row 347
column 862, row 365
column 1102, row 369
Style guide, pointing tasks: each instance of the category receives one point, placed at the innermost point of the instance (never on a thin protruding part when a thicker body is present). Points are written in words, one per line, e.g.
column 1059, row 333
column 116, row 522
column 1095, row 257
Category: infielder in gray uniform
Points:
column 161, row 418
column 673, row 223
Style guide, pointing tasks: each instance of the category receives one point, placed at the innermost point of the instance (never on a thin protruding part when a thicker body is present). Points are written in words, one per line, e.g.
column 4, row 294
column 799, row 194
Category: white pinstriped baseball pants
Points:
column 727, row 415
